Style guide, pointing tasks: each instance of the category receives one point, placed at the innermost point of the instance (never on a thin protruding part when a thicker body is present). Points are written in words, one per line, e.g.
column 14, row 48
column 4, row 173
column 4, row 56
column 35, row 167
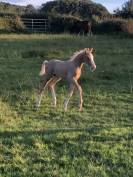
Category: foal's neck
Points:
column 79, row 60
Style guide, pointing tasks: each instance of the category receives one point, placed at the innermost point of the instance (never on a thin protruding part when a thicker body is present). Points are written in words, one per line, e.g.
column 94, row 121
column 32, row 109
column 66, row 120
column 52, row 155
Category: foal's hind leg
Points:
column 70, row 93
column 52, row 88
column 41, row 89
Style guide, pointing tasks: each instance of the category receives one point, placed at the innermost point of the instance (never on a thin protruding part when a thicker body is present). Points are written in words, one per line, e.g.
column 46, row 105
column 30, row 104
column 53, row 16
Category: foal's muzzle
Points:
column 93, row 68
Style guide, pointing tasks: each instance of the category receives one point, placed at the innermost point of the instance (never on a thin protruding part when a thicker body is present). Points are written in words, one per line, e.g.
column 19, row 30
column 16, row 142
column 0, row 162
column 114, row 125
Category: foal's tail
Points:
column 42, row 72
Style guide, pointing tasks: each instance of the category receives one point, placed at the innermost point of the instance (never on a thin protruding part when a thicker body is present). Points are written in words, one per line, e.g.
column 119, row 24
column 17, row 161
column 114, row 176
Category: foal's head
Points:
column 89, row 58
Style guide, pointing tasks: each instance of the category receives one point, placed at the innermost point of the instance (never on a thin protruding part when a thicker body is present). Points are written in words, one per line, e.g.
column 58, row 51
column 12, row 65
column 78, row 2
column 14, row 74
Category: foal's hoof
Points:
column 65, row 110
column 80, row 109
column 54, row 105
column 36, row 107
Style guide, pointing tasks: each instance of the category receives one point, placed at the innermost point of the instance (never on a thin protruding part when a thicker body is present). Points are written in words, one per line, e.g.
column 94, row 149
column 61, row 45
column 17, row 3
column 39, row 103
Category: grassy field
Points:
column 97, row 142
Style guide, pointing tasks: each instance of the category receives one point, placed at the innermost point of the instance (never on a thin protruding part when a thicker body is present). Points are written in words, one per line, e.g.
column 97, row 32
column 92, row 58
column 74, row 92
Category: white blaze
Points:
column 93, row 65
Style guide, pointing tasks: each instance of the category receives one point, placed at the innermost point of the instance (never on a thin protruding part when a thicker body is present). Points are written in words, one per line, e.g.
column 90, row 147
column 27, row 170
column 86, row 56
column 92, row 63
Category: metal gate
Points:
column 36, row 25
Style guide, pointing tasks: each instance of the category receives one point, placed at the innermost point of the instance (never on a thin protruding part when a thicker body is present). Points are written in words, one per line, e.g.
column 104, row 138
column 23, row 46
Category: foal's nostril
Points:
column 93, row 68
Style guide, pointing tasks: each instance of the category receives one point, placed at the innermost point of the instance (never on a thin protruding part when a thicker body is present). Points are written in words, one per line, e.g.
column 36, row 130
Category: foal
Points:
column 54, row 70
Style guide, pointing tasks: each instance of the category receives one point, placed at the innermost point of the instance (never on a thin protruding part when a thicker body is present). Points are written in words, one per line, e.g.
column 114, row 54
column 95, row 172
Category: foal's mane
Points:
column 76, row 54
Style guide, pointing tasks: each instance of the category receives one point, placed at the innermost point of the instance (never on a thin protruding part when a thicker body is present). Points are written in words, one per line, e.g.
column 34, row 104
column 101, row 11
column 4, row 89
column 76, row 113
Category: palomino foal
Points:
column 54, row 70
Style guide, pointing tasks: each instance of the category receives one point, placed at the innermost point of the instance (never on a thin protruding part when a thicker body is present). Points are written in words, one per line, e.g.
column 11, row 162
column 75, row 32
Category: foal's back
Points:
column 59, row 68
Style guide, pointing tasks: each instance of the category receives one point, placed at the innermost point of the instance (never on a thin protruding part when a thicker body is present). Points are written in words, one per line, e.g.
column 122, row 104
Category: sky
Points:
column 109, row 4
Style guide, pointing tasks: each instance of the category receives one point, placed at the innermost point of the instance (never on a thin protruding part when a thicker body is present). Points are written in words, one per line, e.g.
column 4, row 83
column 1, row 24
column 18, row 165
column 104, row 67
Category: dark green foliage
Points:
column 11, row 24
column 80, row 9
column 109, row 26
column 126, row 11
column 62, row 23
column 64, row 14
column 114, row 26
column 7, row 8
column 34, row 16
column 30, row 9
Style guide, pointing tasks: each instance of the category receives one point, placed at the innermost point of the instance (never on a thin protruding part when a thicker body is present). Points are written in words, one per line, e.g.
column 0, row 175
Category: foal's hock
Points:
column 54, row 70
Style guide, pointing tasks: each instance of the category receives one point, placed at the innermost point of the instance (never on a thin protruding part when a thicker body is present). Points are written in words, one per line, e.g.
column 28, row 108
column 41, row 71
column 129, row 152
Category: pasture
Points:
column 97, row 142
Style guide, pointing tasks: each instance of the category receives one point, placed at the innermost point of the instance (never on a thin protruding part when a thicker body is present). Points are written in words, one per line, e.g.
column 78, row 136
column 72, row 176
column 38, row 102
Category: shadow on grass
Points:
column 82, row 134
column 49, row 131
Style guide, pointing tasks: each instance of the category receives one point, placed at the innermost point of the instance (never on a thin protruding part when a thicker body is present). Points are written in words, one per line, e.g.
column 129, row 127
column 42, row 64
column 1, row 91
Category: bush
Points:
column 109, row 26
column 66, row 23
column 83, row 9
column 62, row 23
column 114, row 26
column 11, row 24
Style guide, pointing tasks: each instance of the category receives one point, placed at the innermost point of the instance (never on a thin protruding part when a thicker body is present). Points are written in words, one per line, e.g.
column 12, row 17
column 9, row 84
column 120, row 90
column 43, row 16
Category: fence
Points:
column 36, row 25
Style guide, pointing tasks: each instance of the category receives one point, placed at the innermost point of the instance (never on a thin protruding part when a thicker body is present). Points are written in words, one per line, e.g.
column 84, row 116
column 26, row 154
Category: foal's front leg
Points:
column 52, row 88
column 80, row 94
column 53, row 95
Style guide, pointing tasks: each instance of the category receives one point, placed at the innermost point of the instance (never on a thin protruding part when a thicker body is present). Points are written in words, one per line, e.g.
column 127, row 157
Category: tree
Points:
column 83, row 9
column 126, row 11
column 131, row 5
column 30, row 9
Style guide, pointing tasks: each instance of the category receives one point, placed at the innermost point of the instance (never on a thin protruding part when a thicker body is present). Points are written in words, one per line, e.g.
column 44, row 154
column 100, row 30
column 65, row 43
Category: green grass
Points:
column 97, row 142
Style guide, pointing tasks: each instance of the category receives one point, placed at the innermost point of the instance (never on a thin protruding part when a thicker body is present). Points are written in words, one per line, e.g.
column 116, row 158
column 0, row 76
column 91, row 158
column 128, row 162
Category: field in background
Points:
column 49, row 142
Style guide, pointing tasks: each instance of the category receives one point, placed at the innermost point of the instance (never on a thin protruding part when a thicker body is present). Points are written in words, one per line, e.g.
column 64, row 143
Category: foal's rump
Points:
column 43, row 68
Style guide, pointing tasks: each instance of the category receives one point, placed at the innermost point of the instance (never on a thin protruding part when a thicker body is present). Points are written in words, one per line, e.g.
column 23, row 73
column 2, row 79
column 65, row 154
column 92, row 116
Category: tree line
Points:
column 79, row 8
column 62, row 14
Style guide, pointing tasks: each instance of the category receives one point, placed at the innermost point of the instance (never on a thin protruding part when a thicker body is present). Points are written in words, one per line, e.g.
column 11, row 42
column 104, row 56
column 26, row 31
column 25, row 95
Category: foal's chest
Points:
column 78, row 73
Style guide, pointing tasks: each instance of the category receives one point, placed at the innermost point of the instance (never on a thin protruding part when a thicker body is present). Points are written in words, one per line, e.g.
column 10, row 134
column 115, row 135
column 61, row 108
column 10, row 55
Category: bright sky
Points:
column 109, row 4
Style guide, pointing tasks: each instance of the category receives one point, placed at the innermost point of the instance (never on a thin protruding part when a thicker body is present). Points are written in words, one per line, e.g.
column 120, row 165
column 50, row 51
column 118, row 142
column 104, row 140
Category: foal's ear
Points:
column 91, row 50
column 86, row 50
